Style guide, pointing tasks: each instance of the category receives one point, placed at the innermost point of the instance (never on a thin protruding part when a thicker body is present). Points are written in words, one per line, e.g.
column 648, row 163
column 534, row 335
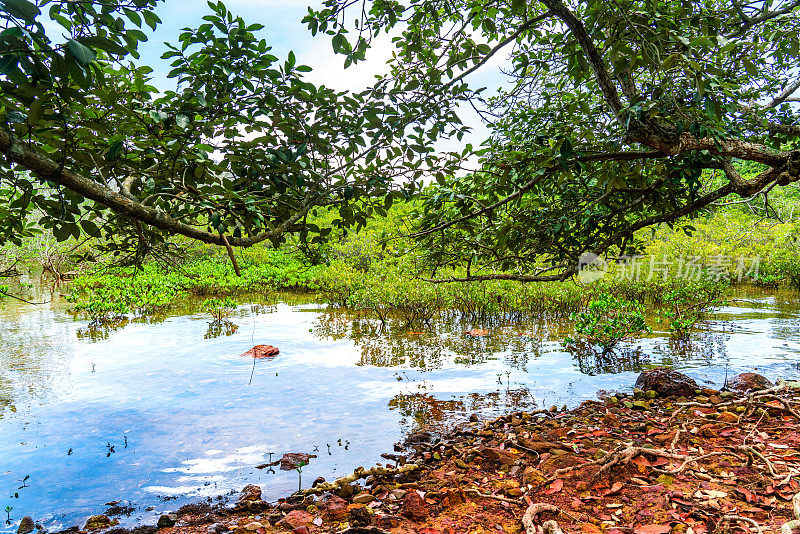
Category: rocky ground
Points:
column 672, row 458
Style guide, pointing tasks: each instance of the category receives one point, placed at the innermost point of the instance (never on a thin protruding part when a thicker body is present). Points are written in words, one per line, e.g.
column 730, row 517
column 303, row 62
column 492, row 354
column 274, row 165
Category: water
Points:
column 164, row 413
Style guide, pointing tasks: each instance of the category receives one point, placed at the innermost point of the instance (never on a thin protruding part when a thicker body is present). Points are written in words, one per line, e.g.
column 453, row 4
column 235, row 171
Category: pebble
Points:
column 363, row 498
column 255, row 525
column 397, row 494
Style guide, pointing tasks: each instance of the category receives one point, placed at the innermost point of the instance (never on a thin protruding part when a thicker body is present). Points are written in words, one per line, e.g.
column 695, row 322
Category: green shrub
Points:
column 608, row 320
column 687, row 304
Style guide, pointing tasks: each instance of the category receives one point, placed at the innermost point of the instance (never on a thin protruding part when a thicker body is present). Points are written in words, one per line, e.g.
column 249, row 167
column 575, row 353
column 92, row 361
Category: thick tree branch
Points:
column 577, row 28
column 19, row 153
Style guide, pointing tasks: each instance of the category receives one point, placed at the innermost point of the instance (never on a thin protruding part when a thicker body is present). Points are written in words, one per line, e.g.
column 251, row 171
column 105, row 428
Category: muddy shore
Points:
column 672, row 458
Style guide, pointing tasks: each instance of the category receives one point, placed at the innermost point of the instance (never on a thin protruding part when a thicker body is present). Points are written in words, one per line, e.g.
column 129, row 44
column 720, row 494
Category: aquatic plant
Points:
column 608, row 320
column 219, row 308
column 688, row 304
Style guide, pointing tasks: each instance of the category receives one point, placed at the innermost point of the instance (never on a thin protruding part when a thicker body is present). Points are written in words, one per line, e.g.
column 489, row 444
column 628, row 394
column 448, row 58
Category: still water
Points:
column 163, row 413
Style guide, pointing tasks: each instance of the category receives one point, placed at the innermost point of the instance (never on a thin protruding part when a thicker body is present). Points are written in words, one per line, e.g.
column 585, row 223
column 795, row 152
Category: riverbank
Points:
column 679, row 460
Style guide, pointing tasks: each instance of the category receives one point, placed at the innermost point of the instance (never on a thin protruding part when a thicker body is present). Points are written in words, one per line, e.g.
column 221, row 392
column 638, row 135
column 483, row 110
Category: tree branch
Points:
column 41, row 165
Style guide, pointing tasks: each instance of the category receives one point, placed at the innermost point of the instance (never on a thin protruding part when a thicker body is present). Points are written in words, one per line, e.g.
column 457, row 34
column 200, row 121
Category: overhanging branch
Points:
column 41, row 165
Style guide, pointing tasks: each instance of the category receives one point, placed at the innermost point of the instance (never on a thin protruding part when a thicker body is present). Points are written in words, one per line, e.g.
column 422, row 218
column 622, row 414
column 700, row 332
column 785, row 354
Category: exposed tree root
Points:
column 358, row 474
column 529, row 518
column 728, row 519
column 791, row 526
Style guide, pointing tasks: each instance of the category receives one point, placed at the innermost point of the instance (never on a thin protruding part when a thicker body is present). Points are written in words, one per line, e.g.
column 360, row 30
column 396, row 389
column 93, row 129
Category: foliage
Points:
column 608, row 320
column 688, row 304
column 101, row 310
column 219, row 308
column 239, row 154
column 618, row 116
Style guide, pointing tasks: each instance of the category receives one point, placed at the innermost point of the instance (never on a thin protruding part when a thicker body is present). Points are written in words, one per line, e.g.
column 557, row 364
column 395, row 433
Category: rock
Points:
column 346, row 491
column 318, row 481
column 334, row 508
column 363, row 498
column 414, row 507
column 167, row 520
column 250, row 492
column 218, row 528
column 750, row 382
column 666, row 382
column 387, row 521
column 26, row 525
column 472, row 419
column 251, row 527
column 728, row 417
column 397, row 494
column 296, row 518
column 262, row 351
column 97, row 522
column 300, row 530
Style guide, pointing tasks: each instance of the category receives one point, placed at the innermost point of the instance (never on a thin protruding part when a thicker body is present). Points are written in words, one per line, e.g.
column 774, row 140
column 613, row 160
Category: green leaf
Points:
column 82, row 53
column 21, row 9
column 90, row 228
column 114, row 151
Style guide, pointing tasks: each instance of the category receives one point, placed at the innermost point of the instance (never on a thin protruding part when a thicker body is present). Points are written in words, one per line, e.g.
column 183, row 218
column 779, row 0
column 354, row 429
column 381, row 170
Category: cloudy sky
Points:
column 284, row 32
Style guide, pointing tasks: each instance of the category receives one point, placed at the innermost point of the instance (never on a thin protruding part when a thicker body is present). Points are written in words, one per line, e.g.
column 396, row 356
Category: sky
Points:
column 284, row 31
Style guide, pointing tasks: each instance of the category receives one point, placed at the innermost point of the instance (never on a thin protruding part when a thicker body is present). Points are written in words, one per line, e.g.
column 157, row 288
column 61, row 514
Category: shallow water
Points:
column 162, row 413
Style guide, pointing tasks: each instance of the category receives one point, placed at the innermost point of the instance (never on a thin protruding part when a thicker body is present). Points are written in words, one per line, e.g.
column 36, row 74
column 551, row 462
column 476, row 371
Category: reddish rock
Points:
column 334, row 509
column 501, row 456
column 666, row 382
column 750, row 382
column 454, row 497
column 358, row 515
column 296, row 519
column 386, row 521
column 262, row 351
column 301, row 530
column 250, row 492
column 414, row 507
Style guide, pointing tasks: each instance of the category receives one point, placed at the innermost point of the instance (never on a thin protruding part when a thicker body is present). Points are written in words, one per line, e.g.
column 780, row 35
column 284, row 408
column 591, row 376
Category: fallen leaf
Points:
column 555, row 487
column 652, row 529
column 477, row 332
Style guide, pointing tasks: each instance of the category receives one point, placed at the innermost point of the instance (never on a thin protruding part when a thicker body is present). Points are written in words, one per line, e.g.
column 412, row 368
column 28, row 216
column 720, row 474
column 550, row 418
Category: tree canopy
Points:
column 617, row 116
column 620, row 115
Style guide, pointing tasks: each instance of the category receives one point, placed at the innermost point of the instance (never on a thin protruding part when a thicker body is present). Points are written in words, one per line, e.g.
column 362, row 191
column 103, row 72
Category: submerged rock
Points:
column 262, row 351
column 26, row 525
column 97, row 522
column 666, row 382
column 750, row 382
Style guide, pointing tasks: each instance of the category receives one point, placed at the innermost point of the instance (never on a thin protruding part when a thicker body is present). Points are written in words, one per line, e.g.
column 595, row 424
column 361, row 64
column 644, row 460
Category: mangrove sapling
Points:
column 219, row 308
column 608, row 320
column 690, row 303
